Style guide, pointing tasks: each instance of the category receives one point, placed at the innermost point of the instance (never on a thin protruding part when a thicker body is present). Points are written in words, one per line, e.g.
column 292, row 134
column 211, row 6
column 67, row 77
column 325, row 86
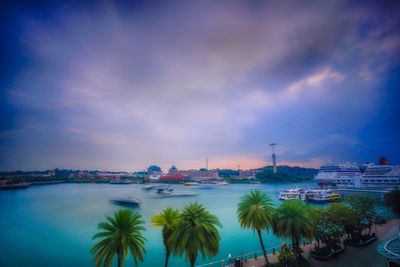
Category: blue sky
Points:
column 120, row 86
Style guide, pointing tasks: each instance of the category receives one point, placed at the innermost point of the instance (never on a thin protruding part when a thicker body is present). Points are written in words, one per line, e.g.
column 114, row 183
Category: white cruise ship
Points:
column 347, row 174
column 381, row 176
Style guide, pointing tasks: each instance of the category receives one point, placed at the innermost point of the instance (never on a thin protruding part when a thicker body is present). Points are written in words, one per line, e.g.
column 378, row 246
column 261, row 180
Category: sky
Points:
column 121, row 85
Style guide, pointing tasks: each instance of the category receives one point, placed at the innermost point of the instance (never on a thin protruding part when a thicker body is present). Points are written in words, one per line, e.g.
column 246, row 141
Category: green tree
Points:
column 168, row 219
column 364, row 208
column 120, row 234
column 255, row 212
column 293, row 219
column 343, row 216
column 392, row 200
column 328, row 230
column 196, row 233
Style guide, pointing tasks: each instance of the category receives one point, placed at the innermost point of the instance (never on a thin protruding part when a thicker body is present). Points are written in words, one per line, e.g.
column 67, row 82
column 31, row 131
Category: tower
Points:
column 273, row 157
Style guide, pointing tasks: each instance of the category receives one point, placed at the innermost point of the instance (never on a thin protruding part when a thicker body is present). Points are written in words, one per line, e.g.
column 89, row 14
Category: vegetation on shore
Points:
column 286, row 174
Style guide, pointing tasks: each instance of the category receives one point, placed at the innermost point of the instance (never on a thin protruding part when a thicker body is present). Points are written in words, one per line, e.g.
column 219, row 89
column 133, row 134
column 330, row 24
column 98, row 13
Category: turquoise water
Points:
column 52, row 225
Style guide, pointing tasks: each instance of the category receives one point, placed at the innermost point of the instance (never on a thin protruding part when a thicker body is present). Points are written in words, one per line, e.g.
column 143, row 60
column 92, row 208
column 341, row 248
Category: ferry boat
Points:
column 295, row 193
column 381, row 176
column 347, row 174
column 322, row 196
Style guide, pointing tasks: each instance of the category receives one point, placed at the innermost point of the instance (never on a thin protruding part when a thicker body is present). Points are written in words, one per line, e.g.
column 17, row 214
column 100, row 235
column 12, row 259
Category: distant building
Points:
column 185, row 173
column 204, row 175
column 111, row 175
column 155, row 173
column 173, row 170
column 172, row 178
column 248, row 174
column 154, row 178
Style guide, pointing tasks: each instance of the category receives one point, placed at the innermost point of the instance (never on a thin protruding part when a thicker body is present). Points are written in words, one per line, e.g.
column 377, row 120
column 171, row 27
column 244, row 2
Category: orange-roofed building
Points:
column 172, row 178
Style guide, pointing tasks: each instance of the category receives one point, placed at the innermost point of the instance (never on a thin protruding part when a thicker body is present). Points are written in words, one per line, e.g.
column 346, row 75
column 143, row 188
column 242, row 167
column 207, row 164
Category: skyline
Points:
column 118, row 86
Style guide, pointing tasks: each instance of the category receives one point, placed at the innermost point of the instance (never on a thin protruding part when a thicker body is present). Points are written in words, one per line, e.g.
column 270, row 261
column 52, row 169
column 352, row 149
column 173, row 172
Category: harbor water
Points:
column 53, row 225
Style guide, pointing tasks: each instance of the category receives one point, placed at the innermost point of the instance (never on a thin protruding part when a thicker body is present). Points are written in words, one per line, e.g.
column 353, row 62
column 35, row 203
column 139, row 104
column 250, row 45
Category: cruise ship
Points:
column 381, row 176
column 347, row 174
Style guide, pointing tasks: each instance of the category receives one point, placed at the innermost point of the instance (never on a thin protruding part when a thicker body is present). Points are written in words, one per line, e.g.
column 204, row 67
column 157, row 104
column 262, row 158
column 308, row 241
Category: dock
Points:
column 362, row 190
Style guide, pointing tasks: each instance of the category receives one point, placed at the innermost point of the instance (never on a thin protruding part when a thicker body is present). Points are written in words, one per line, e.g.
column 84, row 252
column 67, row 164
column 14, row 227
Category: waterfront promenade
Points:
column 353, row 256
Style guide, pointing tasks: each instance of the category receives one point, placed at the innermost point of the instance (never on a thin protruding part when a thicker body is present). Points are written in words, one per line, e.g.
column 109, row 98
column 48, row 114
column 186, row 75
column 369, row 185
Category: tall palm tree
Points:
column 196, row 233
column 168, row 220
column 293, row 219
column 255, row 212
column 120, row 234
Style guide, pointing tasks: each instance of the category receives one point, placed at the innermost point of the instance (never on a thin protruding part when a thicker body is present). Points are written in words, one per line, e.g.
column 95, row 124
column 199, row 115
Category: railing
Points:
column 387, row 249
column 243, row 257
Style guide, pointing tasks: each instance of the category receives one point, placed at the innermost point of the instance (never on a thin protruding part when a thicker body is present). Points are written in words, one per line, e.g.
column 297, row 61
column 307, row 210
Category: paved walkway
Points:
column 363, row 256
column 353, row 257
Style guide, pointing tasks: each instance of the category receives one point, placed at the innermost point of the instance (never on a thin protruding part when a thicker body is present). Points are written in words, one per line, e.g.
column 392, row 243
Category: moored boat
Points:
column 294, row 193
column 322, row 196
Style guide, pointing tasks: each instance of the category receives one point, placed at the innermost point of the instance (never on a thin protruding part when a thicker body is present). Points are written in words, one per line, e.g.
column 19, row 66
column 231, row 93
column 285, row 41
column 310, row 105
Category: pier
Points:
column 363, row 190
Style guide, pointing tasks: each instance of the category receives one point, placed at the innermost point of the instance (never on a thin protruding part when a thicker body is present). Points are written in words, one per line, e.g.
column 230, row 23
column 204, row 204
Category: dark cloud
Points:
column 119, row 85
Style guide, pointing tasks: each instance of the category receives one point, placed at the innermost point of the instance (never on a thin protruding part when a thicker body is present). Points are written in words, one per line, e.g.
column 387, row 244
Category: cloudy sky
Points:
column 115, row 85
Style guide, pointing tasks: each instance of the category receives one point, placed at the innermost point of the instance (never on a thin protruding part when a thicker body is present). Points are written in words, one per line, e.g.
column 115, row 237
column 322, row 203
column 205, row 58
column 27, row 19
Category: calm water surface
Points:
column 53, row 225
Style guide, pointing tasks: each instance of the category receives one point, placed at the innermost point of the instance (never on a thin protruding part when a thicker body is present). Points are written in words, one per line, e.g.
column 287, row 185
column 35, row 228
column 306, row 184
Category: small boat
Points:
column 322, row 196
column 191, row 184
column 294, row 193
column 223, row 183
column 133, row 201
column 164, row 190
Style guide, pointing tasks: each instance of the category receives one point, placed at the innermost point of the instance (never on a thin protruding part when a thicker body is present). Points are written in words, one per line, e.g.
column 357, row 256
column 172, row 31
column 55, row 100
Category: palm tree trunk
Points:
column 166, row 258
column 262, row 246
column 192, row 262
column 120, row 259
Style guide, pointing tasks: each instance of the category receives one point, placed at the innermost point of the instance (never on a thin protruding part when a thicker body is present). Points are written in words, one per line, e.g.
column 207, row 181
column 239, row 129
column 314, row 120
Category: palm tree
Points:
column 255, row 212
column 168, row 220
column 196, row 233
column 293, row 219
column 120, row 234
